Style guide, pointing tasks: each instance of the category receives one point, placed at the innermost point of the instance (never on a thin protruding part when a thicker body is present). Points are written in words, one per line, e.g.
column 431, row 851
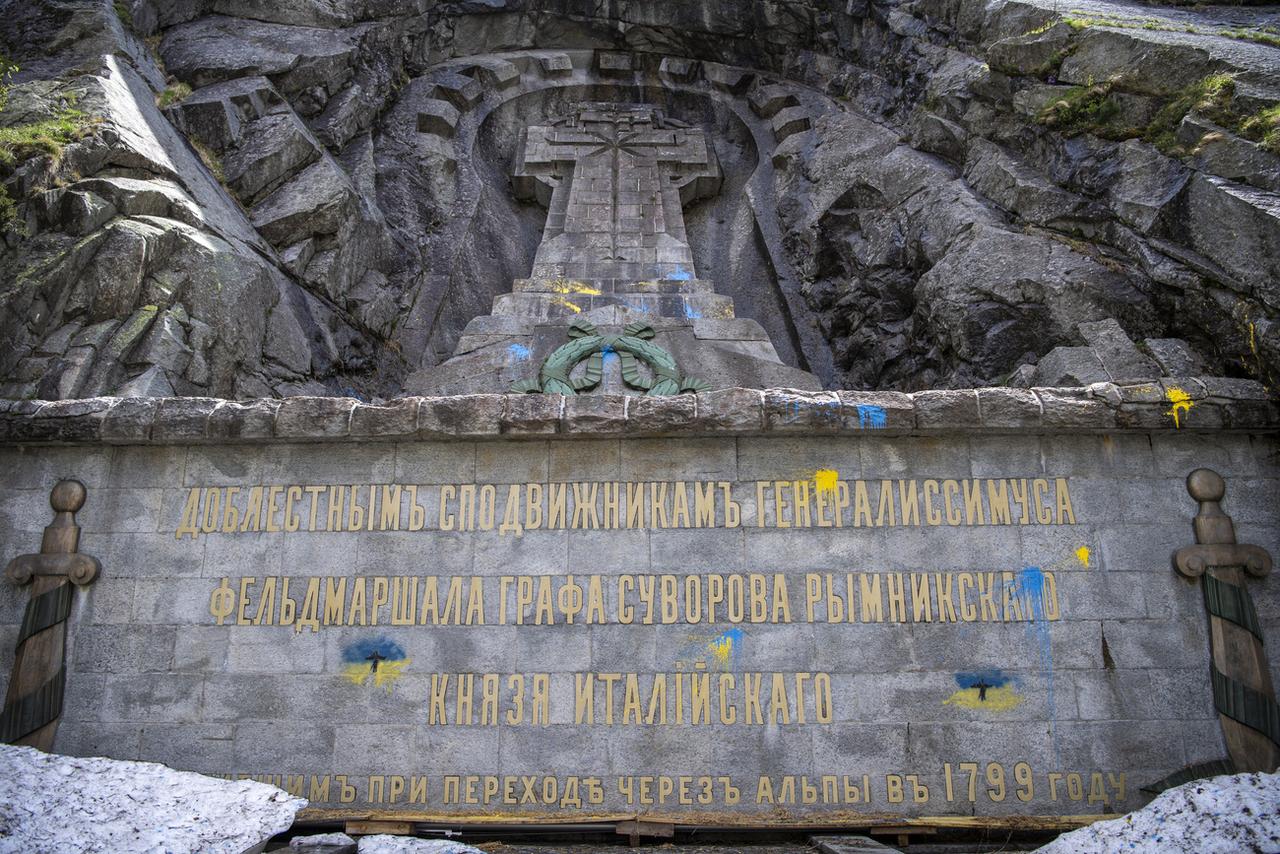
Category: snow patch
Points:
column 1223, row 815
column 51, row 804
column 383, row 844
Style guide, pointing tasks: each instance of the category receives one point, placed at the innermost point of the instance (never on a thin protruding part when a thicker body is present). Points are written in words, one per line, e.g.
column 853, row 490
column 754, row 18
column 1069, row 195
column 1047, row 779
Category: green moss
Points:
column 1210, row 97
column 172, row 95
column 47, row 137
column 1085, row 109
column 123, row 13
column 1263, row 127
column 211, row 160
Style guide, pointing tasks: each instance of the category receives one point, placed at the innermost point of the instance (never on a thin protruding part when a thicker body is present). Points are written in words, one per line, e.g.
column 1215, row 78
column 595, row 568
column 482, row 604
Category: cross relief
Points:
column 614, row 179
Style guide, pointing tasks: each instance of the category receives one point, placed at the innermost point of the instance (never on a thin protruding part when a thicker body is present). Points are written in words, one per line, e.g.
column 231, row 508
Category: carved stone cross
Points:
column 614, row 179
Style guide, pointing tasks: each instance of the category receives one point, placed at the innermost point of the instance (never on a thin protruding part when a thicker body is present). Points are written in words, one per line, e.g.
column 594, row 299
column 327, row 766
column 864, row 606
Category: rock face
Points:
column 316, row 197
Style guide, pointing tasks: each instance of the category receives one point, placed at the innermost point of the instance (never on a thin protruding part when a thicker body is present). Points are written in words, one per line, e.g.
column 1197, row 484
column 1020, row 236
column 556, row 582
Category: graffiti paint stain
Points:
column 1082, row 555
column 375, row 661
column 680, row 275
column 826, row 481
column 691, row 313
column 988, row 690
column 519, row 352
column 725, row 646
column 1181, row 404
column 1029, row 584
column 870, row 416
column 567, row 286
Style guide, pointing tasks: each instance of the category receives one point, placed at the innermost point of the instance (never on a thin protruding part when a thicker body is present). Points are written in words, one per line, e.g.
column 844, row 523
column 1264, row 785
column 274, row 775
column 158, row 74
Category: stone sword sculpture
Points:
column 1242, row 691
column 33, row 702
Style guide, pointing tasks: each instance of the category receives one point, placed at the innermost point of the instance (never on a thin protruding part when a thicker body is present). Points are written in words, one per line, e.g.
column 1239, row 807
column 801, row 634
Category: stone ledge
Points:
column 1199, row 404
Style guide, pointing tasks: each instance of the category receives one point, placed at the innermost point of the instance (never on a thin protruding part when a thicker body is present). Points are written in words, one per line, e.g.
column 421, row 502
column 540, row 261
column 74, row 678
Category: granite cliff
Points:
column 240, row 199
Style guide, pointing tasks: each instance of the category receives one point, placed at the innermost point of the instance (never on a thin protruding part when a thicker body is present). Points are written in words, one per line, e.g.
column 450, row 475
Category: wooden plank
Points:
column 369, row 828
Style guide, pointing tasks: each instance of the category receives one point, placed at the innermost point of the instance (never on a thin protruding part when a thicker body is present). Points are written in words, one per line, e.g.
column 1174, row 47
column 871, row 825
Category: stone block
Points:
column 532, row 414
column 876, row 410
column 946, row 410
column 439, row 118
column 613, row 64
column 595, row 414
column 731, row 410
column 494, row 73
column 69, row 420
column 790, row 121
column 766, row 101
column 1118, row 354
column 555, row 64
column 1064, row 408
column 1069, row 366
column 727, row 78
column 661, row 415
column 1008, row 407
column 314, row 417
column 129, row 420
column 254, row 419
column 1175, row 357
column 461, row 416
column 399, row 419
column 461, row 91
column 789, row 410
column 183, row 419
column 677, row 69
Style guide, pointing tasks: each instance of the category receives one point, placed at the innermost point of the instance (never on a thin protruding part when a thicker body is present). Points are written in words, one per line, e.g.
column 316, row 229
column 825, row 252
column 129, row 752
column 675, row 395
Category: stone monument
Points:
column 383, row 367
column 614, row 179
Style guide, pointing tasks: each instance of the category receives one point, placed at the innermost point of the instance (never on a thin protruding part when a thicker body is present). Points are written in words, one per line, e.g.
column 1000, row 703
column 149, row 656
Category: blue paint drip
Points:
column 359, row 652
column 990, row 678
column 519, row 352
column 871, row 416
column 692, row 313
column 1029, row 587
column 680, row 275
column 827, row 410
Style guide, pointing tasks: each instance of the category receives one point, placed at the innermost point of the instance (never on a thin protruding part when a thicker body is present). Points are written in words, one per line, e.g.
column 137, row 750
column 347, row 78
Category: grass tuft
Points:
column 172, row 95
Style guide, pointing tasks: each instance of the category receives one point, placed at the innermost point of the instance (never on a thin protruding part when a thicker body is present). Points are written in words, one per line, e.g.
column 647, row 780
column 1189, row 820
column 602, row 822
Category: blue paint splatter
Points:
column 680, row 275
column 519, row 352
column 691, row 313
column 360, row 651
column 826, row 410
column 1029, row 586
column 871, row 416
column 990, row 678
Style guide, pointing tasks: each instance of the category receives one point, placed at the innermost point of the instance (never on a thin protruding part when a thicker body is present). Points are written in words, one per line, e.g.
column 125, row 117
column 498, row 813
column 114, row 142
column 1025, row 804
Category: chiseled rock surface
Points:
column 898, row 212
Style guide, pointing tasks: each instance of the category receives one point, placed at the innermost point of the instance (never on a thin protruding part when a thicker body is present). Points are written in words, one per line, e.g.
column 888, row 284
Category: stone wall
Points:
column 1088, row 657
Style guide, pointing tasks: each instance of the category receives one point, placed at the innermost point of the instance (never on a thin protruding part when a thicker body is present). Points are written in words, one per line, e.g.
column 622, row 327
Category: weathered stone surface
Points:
column 1008, row 407
column 183, row 418
column 254, row 419
column 845, row 242
column 271, row 149
column 665, row 415
column 316, row 201
column 461, row 417
column 946, row 409
column 532, row 414
column 314, row 417
column 1119, row 355
column 733, row 409
column 597, row 414
column 396, row 420
column 1069, row 366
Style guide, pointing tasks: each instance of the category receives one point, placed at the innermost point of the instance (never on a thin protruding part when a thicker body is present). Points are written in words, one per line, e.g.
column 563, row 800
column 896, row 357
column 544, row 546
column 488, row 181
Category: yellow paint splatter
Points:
column 1000, row 699
column 387, row 673
column 564, row 303
column 1182, row 403
column 1082, row 555
column 826, row 480
column 567, row 286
